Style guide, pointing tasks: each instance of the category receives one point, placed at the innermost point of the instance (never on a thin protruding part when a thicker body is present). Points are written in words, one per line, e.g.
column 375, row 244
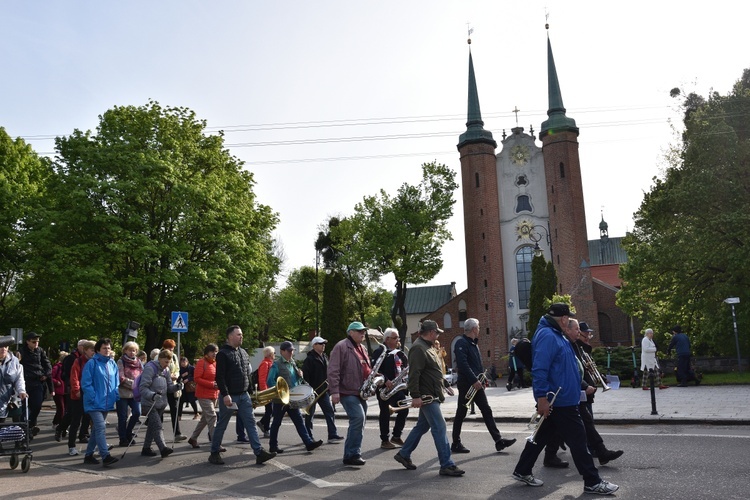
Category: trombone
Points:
column 537, row 420
column 306, row 409
column 472, row 392
column 405, row 403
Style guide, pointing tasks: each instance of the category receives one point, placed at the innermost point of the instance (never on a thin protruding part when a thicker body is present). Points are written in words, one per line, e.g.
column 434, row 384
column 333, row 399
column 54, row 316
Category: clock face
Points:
column 519, row 154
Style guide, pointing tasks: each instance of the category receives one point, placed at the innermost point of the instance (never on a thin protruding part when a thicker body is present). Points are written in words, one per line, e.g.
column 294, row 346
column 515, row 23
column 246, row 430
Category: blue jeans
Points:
column 244, row 411
column 327, row 409
column 124, row 426
column 356, row 410
column 296, row 416
column 98, row 435
column 430, row 419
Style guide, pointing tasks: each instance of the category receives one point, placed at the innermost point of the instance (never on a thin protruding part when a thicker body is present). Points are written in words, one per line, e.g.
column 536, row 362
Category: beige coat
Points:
column 648, row 354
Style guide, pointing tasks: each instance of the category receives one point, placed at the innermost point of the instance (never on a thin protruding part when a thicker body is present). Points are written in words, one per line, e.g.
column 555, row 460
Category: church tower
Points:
column 485, row 294
column 567, row 216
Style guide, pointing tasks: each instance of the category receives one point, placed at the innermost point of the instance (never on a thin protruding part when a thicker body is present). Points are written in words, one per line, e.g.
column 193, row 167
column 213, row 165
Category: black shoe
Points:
column 64, row 434
column 355, row 460
column 262, row 427
column 459, row 448
column 555, row 462
column 58, row 436
column 166, row 452
column 109, row 460
column 509, row 386
column 215, row 458
column 277, row 450
column 608, row 455
column 83, row 439
column 404, row 461
column 451, row 471
column 148, row 452
column 35, row 430
column 89, row 459
column 501, row 443
column 110, row 446
column 314, row 444
column 264, row 456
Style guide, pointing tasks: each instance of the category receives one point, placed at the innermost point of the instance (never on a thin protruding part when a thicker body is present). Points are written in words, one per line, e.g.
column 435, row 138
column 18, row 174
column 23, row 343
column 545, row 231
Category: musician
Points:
column 348, row 369
column 315, row 370
column 555, row 366
column 233, row 380
column 393, row 364
column 469, row 365
column 286, row 368
column 426, row 379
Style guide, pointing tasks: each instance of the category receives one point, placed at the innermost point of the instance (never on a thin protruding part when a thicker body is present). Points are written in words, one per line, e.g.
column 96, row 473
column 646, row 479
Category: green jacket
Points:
column 425, row 371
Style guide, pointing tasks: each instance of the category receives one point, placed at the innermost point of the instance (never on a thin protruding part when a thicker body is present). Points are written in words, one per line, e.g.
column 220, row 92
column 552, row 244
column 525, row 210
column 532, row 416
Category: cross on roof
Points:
column 516, row 110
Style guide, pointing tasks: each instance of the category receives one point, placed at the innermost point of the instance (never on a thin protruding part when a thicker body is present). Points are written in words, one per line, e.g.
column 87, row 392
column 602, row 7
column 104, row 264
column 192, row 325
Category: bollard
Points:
column 653, row 392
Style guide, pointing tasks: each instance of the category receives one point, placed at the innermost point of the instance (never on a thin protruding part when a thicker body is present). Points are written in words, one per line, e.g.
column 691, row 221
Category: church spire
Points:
column 475, row 132
column 557, row 121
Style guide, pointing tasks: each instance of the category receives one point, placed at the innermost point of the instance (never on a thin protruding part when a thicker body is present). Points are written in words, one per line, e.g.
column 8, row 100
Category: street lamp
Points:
column 732, row 301
column 536, row 236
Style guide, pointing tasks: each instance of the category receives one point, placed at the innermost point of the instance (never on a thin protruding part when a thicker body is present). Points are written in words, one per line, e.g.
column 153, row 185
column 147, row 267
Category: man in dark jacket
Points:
column 233, row 380
column 393, row 364
column 37, row 372
column 681, row 342
column 315, row 372
column 469, row 364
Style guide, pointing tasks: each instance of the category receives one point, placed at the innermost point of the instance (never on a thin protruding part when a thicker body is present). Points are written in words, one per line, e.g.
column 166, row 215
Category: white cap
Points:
column 318, row 340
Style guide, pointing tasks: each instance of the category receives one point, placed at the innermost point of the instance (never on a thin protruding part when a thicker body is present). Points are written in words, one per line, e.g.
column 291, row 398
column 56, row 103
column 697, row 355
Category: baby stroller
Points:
column 14, row 438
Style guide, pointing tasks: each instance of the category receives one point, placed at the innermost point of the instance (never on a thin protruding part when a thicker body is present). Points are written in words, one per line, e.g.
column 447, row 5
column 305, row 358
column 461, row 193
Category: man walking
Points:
column 394, row 363
column 315, row 371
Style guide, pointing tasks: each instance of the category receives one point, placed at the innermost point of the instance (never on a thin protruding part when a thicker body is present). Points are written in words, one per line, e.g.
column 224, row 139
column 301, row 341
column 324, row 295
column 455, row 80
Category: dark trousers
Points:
column 36, row 398
column 278, row 414
column 593, row 438
column 78, row 419
column 327, row 409
column 481, row 402
column 685, row 374
column 173, row 412
column 265, row 420
column 567, row 423
column 59, row 408
column 385, row 416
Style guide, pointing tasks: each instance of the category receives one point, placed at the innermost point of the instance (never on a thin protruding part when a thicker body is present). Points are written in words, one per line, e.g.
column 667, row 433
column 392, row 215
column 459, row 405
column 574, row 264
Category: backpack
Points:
column 254, row 379
column 523, row 352
column 137, row 383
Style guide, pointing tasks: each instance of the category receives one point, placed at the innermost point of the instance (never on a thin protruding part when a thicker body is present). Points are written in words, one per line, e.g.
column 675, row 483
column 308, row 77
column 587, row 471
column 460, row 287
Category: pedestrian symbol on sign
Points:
column 179, row 321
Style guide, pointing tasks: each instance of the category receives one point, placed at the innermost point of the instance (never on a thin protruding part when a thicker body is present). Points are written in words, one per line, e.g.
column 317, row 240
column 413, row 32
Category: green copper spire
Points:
column 557, row 121
column 475, row 132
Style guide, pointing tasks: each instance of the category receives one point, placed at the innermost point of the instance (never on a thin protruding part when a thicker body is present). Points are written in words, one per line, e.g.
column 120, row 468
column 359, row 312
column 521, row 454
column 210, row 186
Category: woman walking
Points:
column 156, row 382
column 128, row 367
column 207, row 393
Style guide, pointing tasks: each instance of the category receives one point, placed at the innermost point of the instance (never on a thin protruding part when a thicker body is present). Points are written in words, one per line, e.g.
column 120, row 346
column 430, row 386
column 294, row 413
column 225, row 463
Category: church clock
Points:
column 519, row 154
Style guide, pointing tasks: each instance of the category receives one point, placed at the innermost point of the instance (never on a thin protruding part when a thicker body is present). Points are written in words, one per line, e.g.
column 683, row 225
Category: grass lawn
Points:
column 729, row 378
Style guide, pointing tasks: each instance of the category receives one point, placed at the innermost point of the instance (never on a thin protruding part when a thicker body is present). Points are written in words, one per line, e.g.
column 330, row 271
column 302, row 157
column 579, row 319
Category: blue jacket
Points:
column 682, row 344
column 468, row 360
column 100, row 381
column 555, row 364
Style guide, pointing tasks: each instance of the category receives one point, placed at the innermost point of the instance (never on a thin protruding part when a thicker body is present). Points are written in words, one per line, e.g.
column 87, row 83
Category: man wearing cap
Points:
column 348, row 369
column 315, row 371
column 233, row 381
column 555, row 369
column 11, row 379
column 426, row 379
column 286, row 368
column 391, row 367
column 37, row 372
column 469, row 365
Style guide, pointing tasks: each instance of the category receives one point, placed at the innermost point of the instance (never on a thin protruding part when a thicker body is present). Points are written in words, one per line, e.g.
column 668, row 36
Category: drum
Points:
column 301, row 396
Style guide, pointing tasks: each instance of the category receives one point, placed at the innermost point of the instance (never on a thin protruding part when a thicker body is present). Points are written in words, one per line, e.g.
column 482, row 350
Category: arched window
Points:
column 462, row 316
column 523, row 204
column 476, row 178
column 523, row 273
column 562, row 170
column 447, row 322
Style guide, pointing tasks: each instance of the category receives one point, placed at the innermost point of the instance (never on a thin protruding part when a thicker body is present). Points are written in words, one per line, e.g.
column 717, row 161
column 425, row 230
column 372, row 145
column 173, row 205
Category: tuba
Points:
column 590, row 365
column 281, row 391
column 399, row 384
column 374, row 380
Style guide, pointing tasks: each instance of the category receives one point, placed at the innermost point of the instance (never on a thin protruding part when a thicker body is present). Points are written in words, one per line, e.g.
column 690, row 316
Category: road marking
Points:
column 320, row 483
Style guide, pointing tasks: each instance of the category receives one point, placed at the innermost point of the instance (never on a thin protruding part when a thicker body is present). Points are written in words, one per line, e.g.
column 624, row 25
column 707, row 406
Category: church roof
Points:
column 557, row 121
column 426, row 299
column 475, row 132
column 607, row 251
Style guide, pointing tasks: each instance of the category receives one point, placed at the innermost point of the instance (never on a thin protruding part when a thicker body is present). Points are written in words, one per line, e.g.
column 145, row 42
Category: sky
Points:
column 328, row 102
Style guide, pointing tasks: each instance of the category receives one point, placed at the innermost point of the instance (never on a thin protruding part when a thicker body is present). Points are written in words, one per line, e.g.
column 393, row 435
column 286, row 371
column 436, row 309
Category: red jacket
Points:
column 75, row 377
column 205, row 376
column 265, row 365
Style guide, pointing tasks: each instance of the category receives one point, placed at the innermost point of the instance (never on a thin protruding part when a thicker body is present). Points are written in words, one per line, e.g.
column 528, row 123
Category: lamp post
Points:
column 732, row 301
column 536, row 237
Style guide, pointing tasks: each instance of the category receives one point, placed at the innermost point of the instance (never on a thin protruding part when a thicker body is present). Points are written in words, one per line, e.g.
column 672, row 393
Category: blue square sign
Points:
column 179, row 321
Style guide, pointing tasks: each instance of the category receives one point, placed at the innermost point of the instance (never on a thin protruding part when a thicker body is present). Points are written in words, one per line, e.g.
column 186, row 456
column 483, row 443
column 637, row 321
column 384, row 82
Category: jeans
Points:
column 124, row 426
column 481, row 401
column 356, row 410
column 245, row 411
column 327, row 409
column 98, row 435
column 430, row 419
column 296, row 416
column 565, row 421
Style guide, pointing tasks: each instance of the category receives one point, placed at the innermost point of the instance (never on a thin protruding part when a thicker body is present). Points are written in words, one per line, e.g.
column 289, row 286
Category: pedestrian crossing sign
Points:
column 179, row 321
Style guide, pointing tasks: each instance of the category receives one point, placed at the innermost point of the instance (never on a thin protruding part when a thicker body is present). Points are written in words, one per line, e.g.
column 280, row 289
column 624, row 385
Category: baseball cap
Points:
column 31, row 336
column 318, row 340
column 356, row 325
column 584, row 327
column 559, row 310
column 428, row 325
column 286, row 346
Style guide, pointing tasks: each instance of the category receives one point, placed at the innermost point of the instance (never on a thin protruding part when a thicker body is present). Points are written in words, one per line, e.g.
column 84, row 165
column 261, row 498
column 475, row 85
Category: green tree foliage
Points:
column 22, row 186
column 401, row 234
column 295, row 306
column 543, row 285
column 688, row 250
column 146, row 216
column 334, row 316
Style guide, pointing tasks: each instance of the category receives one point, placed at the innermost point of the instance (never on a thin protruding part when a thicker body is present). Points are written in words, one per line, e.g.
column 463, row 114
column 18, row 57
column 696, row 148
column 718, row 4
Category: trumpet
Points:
column 405, row 403
column 590, row 365
column 472, row 392
column 399, row 384
column 537, row 420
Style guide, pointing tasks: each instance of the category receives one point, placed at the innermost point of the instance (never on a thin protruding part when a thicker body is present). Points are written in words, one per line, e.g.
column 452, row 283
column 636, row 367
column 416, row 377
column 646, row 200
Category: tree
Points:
column 543, row 286
column 688, row 249
column 146, row 216
column 402, row 234
column 22, row 187
column 295, row 306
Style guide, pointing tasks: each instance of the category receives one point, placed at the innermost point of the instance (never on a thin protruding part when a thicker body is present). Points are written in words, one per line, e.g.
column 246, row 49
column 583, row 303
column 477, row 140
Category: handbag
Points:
column 190, row 386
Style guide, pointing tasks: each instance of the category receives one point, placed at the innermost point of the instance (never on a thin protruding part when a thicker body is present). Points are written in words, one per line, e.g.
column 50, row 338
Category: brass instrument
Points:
column 472, row 392
column 306, row 409
column 281, row 391
column 374, row 380
column 590, row 365
column 405, row 403
column 399, row 384
column 537, row 420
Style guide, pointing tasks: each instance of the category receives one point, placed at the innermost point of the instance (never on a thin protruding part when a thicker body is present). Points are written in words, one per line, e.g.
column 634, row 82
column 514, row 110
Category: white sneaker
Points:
column 603, row 488
column 73, row 452
column 530, row 480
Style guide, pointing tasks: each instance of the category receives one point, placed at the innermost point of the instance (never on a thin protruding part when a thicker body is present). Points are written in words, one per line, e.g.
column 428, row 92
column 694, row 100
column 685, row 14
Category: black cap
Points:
column 559, row 310
column 677, row 329
column 7, row 341
column 429, row 325
column 584, row 327
column 31, row 336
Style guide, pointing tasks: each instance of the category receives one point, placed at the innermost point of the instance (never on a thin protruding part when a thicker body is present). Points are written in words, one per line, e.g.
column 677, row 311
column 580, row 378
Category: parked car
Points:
column 450, row 376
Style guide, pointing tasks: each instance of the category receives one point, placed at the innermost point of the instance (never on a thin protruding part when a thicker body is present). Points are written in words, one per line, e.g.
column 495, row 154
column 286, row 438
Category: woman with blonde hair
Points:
column 128, row 368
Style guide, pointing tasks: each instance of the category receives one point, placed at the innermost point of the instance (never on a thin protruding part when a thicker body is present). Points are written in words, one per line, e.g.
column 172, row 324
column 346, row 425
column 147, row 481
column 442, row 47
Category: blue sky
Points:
column 374, row 89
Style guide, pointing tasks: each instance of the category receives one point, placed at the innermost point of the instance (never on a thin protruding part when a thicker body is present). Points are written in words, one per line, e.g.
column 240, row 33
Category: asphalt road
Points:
column 660, row 461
